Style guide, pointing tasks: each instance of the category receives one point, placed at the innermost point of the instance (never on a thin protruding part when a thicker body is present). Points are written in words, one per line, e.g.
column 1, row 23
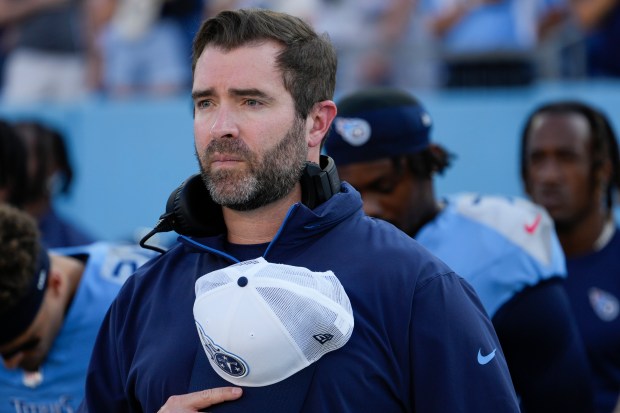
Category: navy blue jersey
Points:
column 422, row 341
column 507, row 249
column 593, row 286
column 57, row 232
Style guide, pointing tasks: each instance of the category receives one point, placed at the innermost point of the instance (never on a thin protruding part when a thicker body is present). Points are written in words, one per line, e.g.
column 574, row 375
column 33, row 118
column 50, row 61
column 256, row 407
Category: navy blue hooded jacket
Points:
column 422, row 341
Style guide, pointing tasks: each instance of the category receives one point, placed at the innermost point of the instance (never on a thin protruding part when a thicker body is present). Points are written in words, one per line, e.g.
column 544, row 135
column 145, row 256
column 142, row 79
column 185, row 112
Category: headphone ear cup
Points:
column 329, row 166
column 319, row 182
column 175, row 209
column 193, row 211
column 311, row 196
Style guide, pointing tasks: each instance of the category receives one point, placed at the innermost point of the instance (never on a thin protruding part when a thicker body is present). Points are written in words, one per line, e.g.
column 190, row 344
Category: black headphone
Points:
column 191, row 211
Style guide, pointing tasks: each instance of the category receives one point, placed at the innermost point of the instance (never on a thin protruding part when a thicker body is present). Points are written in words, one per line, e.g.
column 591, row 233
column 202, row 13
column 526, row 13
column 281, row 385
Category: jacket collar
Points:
column 300, row 225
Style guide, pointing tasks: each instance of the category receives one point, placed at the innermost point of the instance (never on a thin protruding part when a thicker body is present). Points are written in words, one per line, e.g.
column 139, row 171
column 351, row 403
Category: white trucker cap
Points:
column 260, row 323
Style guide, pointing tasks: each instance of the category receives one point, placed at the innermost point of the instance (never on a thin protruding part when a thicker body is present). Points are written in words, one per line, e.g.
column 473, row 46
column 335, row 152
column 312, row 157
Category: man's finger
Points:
column 209, row 397
column 192, row 402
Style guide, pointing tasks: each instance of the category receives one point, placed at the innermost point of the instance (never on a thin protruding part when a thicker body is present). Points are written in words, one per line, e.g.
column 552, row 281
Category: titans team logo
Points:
column 230, row 364
column 354, row 131
column 605, row 305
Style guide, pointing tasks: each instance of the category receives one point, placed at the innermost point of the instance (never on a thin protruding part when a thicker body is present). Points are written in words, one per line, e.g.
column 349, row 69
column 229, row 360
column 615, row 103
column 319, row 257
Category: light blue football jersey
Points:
column 58, row 386
column 500, row 245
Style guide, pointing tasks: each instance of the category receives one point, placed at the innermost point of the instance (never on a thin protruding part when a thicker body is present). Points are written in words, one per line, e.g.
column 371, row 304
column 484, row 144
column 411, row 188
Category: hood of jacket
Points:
column 300, row 226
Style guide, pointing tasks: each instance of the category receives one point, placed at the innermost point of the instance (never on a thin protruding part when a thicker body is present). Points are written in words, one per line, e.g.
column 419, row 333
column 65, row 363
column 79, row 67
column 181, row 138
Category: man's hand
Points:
column 193, row 402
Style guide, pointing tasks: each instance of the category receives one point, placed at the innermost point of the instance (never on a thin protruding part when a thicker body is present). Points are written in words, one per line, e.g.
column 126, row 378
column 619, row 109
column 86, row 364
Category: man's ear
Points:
column 320, row 119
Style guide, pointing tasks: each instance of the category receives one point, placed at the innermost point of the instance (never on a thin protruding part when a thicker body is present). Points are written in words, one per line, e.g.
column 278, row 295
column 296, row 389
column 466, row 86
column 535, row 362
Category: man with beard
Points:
column 504, row 246
column 570, row 165
column 280, row 284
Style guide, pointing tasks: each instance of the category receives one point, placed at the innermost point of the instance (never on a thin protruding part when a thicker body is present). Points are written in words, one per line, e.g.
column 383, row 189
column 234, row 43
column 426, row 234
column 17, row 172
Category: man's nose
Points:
column 224, row 124
column 549, row 171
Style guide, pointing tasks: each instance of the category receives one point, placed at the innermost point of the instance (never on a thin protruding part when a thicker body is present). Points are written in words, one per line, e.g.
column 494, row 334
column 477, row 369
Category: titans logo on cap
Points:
column 355, row 131
column 605, row 305
column 379, row 132
column 426, row 119
column 227, row 362
column 231, row 365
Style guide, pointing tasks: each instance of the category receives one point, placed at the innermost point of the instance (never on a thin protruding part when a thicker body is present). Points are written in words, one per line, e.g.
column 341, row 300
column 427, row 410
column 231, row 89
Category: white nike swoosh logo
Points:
column 482, row 360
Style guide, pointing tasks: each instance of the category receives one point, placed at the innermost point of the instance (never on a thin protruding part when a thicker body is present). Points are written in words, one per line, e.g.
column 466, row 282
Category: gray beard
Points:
column 269, row 178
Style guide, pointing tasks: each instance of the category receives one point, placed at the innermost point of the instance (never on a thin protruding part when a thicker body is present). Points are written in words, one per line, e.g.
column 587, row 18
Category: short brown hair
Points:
column 308, row 61
column 19, row 251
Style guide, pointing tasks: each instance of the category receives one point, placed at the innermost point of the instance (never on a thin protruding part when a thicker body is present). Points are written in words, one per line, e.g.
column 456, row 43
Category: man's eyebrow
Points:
column 33, row 342
column 250, row 92
column 202, row 93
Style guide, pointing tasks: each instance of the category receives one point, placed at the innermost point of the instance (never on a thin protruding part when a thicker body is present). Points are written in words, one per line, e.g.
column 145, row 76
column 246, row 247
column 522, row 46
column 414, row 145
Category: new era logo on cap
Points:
column 323, row 338
column 260, row 323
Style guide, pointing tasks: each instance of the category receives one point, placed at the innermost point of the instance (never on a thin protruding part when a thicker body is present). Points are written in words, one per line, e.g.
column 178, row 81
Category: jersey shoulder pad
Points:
column 524, row 223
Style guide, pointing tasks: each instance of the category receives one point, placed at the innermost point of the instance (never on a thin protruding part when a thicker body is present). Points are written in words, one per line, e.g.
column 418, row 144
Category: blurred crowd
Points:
column 66, row 50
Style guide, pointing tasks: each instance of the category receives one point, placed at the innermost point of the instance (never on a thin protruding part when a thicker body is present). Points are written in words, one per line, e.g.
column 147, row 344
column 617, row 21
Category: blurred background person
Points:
column 51, row 306
column 46, row 54
column 305, row 9
column 600, row 22
column 34, row 169
column 13, row 166
column 143, row 47
column 570, row 165
column 371, row 36
column 50, row 175
column 505, row 247
column 486, row 43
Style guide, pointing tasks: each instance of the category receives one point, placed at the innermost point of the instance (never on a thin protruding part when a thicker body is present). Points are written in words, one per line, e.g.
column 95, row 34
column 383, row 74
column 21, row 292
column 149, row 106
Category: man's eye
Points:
column 203, row 104
column 568, row 157
column 252, row 102
column 536, row 158
column 384, row 186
